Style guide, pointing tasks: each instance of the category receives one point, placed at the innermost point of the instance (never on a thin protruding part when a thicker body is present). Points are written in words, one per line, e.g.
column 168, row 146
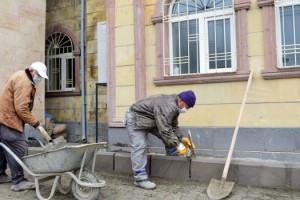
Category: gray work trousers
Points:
column 138, row 141
column 16, row 142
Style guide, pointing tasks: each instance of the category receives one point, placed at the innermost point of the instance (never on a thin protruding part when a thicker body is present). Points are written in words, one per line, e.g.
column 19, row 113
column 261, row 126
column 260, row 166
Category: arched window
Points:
column 61, row 62
column 62, row 58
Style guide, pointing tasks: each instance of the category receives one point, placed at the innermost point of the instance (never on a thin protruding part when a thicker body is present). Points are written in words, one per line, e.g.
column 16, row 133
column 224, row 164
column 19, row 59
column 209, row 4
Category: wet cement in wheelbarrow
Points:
column 120, row 187
column 57, row 143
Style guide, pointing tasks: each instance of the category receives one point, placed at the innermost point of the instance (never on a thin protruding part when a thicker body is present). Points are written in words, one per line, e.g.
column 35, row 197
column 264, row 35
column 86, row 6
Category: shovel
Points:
column 221, row 189
column 52, row 144
column 45, row 134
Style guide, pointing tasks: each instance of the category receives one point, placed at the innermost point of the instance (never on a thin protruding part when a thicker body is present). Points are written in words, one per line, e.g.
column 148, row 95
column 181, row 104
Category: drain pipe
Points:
column 82, row 63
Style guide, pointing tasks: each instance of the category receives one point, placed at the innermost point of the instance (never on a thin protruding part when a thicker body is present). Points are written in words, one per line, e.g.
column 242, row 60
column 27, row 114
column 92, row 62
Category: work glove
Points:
column 187, row 143
column 37, row 124
column 44, row 133
column 181, row 149
column 172, row 151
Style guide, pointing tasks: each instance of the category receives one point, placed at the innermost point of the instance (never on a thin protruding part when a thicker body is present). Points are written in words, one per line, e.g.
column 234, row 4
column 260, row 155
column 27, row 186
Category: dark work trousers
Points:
column 16, row 142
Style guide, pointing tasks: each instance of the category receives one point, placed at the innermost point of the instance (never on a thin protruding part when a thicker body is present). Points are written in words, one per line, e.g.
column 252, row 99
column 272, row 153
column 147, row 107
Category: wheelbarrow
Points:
column 70, row 160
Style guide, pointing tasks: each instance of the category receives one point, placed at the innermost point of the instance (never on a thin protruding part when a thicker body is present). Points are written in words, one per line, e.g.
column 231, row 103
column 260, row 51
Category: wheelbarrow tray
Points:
column 67, row 158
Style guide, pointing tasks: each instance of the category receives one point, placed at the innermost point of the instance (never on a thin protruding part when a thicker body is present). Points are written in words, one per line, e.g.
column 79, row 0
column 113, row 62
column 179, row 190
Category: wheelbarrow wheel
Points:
column 86, row 193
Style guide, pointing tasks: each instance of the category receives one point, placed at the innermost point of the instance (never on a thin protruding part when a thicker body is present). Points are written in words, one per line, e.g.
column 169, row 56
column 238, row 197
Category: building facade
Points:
column 210, row 47
column 168, row 46
column 63, row 56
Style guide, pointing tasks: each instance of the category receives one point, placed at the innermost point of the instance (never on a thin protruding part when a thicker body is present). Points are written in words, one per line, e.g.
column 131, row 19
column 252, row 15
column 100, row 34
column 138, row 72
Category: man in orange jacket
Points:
column 17, row 100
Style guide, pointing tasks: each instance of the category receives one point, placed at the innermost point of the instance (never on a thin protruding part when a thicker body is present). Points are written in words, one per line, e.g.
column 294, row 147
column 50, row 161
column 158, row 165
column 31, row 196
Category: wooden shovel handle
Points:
column 225, row 171
column 44, row 133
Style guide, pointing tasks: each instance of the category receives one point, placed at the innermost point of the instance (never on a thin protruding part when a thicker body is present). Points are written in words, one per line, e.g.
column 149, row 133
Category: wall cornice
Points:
column 263, row 3
column 242, row 4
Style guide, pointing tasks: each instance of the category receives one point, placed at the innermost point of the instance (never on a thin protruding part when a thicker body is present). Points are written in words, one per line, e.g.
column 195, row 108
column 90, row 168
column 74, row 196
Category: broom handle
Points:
column 225, row 171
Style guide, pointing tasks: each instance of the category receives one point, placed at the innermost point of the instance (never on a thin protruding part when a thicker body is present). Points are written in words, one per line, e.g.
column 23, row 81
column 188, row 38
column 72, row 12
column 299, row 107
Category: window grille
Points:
column 287, row 14
column 202, row 37
column 60, row 62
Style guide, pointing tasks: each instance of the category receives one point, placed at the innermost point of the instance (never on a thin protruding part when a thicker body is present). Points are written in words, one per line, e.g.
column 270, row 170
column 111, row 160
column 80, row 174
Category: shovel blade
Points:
column 219, row 189
column 55, row 144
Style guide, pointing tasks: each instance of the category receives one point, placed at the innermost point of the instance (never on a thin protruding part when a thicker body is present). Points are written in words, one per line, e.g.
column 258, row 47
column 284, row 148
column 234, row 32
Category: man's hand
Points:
column 181, row 149
column 175, row 151
column 44, row 133
column 172, row 151
column 187, row 143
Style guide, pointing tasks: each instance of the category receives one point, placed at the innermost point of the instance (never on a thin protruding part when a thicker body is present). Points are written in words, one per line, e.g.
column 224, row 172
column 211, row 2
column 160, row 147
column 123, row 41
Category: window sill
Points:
column 63, row 94
column 281, row 73
column 203, row 78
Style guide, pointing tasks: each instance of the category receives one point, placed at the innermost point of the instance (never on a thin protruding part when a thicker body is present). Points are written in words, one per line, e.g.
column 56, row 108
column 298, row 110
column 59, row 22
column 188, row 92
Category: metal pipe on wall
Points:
column 82, row 63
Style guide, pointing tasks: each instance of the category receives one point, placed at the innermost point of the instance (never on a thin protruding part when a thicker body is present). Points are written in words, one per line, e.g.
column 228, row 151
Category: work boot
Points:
column 5, row 179
column 145, row 184
column 23, row 185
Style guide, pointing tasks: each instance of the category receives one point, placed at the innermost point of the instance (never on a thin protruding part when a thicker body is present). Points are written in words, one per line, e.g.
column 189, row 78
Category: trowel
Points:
column 190, row 152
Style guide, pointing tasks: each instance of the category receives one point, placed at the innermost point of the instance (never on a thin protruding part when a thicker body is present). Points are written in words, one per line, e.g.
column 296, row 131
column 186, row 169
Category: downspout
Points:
column 83, row 104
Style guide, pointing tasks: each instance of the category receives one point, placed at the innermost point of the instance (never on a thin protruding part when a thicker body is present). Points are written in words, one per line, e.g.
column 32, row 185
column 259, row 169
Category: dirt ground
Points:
column 120, row 187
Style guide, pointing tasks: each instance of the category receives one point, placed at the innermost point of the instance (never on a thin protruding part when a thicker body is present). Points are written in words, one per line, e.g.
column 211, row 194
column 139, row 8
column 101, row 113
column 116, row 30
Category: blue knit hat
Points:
column 188, row 97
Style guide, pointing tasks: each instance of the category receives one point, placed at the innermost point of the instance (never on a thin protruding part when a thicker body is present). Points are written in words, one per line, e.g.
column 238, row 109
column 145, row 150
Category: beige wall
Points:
column 125, row 56
column 275, row 102
column 271, row 103
column 67, row 14
column 22, row 33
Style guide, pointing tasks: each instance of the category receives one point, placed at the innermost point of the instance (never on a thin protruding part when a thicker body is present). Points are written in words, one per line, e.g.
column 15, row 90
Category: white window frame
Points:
column 278, row 4
column 203, row 19
column 63, row 80
column 232, row 40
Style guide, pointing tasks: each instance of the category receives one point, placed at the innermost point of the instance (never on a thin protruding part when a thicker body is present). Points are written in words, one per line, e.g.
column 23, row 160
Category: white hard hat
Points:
column 40, row 68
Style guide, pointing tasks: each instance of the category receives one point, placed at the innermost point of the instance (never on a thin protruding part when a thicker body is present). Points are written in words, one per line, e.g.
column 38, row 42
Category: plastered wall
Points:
column 22, row 33
column 270, row 103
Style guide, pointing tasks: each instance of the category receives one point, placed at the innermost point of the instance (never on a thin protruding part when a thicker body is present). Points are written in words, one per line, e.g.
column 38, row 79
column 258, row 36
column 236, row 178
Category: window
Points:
column 281, row 38
column 202, row 37
column 61, row 63
column 287, row 20
column 201, row 41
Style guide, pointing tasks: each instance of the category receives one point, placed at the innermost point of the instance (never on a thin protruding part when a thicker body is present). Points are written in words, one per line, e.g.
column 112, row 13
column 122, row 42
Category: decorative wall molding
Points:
column 242, row 4
column 140, row 49
column 140, row 60
column 111, row 65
